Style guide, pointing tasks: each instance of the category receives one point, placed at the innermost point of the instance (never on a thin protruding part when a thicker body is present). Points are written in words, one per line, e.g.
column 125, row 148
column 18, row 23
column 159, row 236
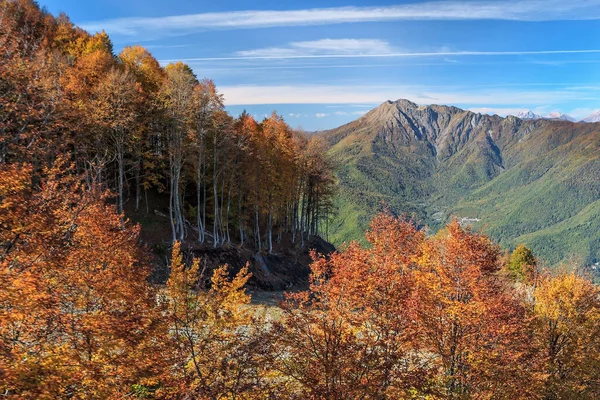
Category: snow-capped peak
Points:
column 558, row 115
column 527, row 114
column 593, row 117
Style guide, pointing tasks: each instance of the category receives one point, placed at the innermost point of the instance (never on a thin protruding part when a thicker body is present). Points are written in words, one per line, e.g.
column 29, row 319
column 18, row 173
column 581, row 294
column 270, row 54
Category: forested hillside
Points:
column 522, row 181
column 86, row 135
column 124, row 123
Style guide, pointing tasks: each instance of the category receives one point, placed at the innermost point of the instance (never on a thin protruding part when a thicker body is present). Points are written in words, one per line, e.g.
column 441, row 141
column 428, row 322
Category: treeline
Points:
column 130, row 125
column 409, row 316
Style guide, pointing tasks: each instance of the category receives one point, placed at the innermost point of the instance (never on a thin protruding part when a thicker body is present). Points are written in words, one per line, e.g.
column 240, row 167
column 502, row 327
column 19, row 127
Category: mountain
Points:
column 560, row 116
column 594, row 117
column 528, row 114
column 522, row 181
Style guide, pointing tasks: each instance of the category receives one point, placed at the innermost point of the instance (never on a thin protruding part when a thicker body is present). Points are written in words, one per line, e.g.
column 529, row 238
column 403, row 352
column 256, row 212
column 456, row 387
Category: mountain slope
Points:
column 531, row 181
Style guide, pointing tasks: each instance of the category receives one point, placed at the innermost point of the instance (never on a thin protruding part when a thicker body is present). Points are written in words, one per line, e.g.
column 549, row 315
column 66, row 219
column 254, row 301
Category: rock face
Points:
column 434, row 162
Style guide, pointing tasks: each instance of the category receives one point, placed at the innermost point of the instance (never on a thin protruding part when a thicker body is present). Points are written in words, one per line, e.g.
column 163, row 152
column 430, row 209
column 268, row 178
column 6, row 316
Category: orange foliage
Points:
column 409, row 316
column 75, row 306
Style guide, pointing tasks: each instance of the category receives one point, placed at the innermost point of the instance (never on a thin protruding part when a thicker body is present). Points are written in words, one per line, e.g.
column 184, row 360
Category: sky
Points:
column 323, row 63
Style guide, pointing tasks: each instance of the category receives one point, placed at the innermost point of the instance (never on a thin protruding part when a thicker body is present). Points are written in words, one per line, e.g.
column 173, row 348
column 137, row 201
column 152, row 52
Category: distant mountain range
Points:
column 528, row 114
column 532, row 181
column 594, row 117
column 555, row 115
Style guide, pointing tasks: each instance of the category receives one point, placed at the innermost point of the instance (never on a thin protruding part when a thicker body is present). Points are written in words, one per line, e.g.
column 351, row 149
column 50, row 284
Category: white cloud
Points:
column 167, row 46
column 581, row 113
column 316, row 94
column 321, row 115
column 320, row 47
column 291, row 53
column 518, row 10
column 362, row 112
column 352, row 105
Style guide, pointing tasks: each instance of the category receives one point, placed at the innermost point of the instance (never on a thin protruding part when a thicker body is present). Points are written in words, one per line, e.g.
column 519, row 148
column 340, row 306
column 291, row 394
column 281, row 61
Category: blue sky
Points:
column 324, row 63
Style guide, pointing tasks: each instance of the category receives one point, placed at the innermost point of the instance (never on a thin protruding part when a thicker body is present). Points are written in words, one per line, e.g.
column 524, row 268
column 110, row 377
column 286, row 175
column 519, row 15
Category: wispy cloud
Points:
column 362, row 112
column 167, row 46
column 290, row 53
column 519, row 10
column 320, row 47
column 321, row 115
column 317, row 94
column 369, row 106
column 580, row 113
column 233, row 67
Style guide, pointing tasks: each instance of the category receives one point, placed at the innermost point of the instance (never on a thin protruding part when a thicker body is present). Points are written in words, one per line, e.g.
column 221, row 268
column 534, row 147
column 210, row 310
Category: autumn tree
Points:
column 245, row 166
column 319, row 186
column 92, row 61
column 408, row 316
column 76, row 311
column 216, row 339
column 145, row 150
column 352, row 334
column 177, row 96
column 221, row 144
column 30, row 113
column 566, row 329
column 115, row 109
column 207, row 101
column 467, row 317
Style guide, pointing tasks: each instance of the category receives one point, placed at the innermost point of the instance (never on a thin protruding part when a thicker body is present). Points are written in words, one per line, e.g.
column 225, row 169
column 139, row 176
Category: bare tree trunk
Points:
column 227, row 211
column 270, row 232
column 146, row 196
column 199, row 179
column 294, row 221
column 240, row 218
column 215, row 196
column 257, row 227
column 316, row 226
column 302, row 219
column 121, row 179
column 171, row 205
column 204, row 197
column 180, row 224
column 138, row 191
column 221, row 209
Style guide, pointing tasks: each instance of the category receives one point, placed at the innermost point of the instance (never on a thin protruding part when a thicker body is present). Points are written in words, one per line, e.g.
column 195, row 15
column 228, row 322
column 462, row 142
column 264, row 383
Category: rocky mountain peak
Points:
column 560, row 116
column 593, row 117
column 528, row 114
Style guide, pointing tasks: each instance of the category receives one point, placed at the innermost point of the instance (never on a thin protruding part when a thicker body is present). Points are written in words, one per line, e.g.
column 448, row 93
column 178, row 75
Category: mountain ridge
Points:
column 434, row 162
